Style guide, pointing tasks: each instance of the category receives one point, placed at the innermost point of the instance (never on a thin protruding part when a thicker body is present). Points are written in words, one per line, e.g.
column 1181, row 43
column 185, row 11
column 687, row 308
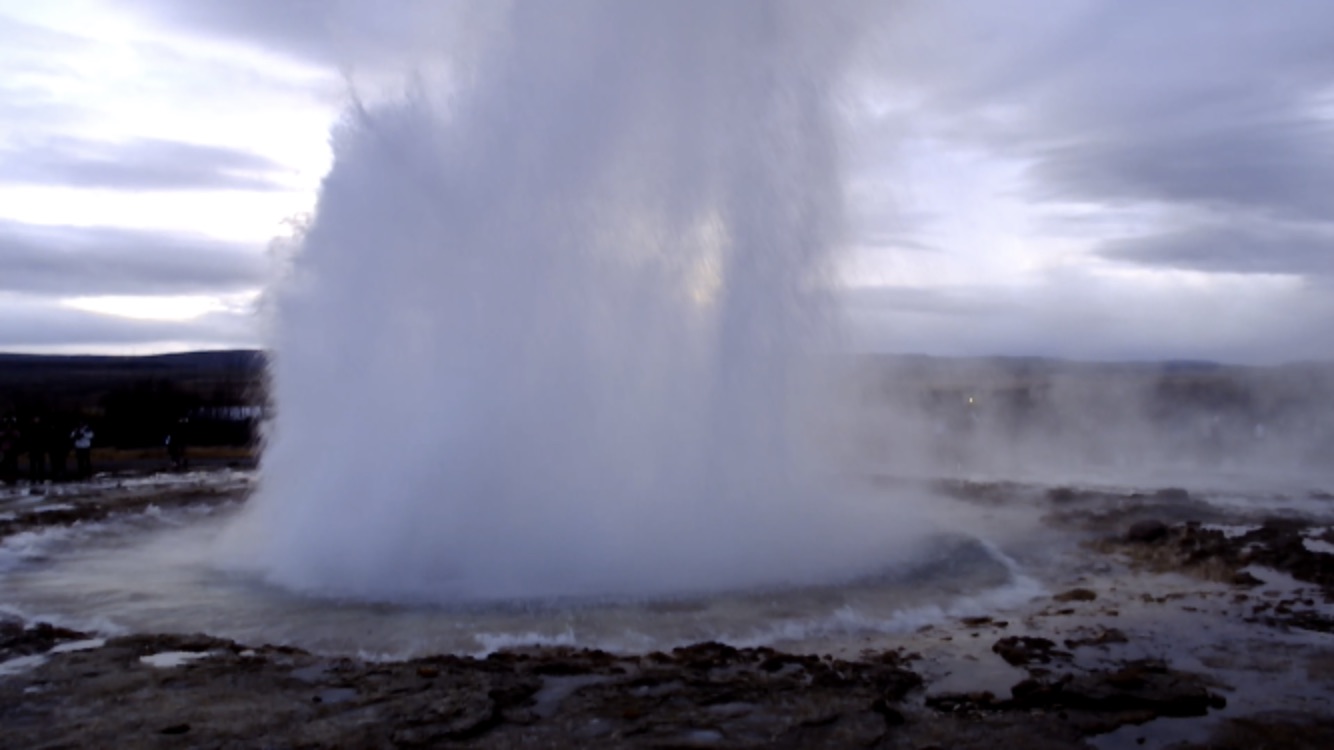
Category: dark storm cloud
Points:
column 87, row 261
column 1247, row 248
column 137, row 164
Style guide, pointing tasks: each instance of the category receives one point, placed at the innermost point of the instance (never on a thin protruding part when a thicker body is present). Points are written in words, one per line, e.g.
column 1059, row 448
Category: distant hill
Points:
column 131, row 398
column 19, row 365
column 135, row 398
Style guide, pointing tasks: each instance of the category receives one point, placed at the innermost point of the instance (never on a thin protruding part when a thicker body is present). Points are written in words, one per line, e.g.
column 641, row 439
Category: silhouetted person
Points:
column 36, row 444
column 82, row 438
column 178, row 443
column 10, row 440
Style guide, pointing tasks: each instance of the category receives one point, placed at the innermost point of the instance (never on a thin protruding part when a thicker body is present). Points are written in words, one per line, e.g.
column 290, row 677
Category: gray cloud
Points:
column 30, row 56
column 330, row 33
column 296, row 27
column 1198, row 116
column 137, row 164
column 1248, row 247
column 1275, row 166
column 32, row 323
column 79, row 261
column 1208, row 115
column 1029, row 70
column 1118, row 102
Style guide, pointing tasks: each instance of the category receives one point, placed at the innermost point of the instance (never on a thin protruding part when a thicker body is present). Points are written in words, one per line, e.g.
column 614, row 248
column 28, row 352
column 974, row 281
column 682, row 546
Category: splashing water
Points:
column 553, row 329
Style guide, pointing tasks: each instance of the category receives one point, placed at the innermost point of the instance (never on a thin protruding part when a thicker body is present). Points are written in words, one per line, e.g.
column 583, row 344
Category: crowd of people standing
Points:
column 38, row 449
column 47, row 447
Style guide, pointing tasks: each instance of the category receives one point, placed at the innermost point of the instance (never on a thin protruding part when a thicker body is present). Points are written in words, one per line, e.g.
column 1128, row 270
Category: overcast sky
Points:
column 1090, row 179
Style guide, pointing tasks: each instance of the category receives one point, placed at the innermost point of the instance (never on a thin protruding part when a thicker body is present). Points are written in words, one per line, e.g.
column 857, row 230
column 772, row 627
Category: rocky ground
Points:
column 1184, row 625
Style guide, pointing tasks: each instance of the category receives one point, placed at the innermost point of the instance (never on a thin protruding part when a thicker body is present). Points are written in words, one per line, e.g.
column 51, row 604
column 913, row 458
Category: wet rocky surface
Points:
column 90, row 508
column 34, row 506
column 1176, row 624
column 1245, row 555
column 197, row 691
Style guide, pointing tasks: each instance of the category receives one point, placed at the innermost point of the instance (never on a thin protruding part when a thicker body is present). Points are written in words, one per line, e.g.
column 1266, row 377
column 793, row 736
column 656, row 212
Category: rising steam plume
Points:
column 551, row 330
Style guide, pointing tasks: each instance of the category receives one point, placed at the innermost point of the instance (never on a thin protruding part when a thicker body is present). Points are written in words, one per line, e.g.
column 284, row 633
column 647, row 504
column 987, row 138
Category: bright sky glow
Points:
column 131, row 81
column 247, row 217
column 143, row 307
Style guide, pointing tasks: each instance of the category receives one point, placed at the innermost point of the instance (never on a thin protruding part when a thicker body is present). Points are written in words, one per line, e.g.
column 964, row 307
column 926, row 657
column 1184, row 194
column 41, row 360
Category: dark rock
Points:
column 1022, row 650
column 1061, row 495
column 18, row 640
column 1303, row 620
column 1172, row 495
column 144, row 645
column 1298, row 732
column 1144, row 687
column 460, row 714
column 959, row 702
column 1026, row 687
column 175, row 729
column 1108, row 635
column 1146, row 531
column 1076, row 595
column 892, row 716
column 708, row 655
column 1244, row 578
column 559, row 668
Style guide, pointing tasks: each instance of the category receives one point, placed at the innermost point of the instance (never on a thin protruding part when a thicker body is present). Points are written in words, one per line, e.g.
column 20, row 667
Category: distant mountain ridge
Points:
column 160, row 385
column 205, row 360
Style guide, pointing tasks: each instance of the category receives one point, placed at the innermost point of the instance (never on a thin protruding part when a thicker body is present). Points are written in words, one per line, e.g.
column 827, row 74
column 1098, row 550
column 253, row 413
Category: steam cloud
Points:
column 551, row 331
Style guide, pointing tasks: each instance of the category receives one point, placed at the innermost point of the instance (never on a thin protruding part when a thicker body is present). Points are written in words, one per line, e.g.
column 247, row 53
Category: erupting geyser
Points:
column 551, row 332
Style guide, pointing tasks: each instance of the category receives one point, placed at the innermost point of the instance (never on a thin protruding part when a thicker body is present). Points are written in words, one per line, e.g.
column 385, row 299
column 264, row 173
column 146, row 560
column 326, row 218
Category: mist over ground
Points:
column 1127, row 424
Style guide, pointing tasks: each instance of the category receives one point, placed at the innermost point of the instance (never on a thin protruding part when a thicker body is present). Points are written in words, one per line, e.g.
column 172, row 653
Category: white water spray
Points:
column 552, row 328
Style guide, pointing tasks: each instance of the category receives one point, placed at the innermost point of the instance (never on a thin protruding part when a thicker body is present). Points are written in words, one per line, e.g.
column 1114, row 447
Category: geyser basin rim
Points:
column 932, row 556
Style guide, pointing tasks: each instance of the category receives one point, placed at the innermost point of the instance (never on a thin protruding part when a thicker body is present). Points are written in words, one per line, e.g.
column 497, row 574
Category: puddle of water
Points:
column 84, row 645
column 21, row 664
column 169, row 659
